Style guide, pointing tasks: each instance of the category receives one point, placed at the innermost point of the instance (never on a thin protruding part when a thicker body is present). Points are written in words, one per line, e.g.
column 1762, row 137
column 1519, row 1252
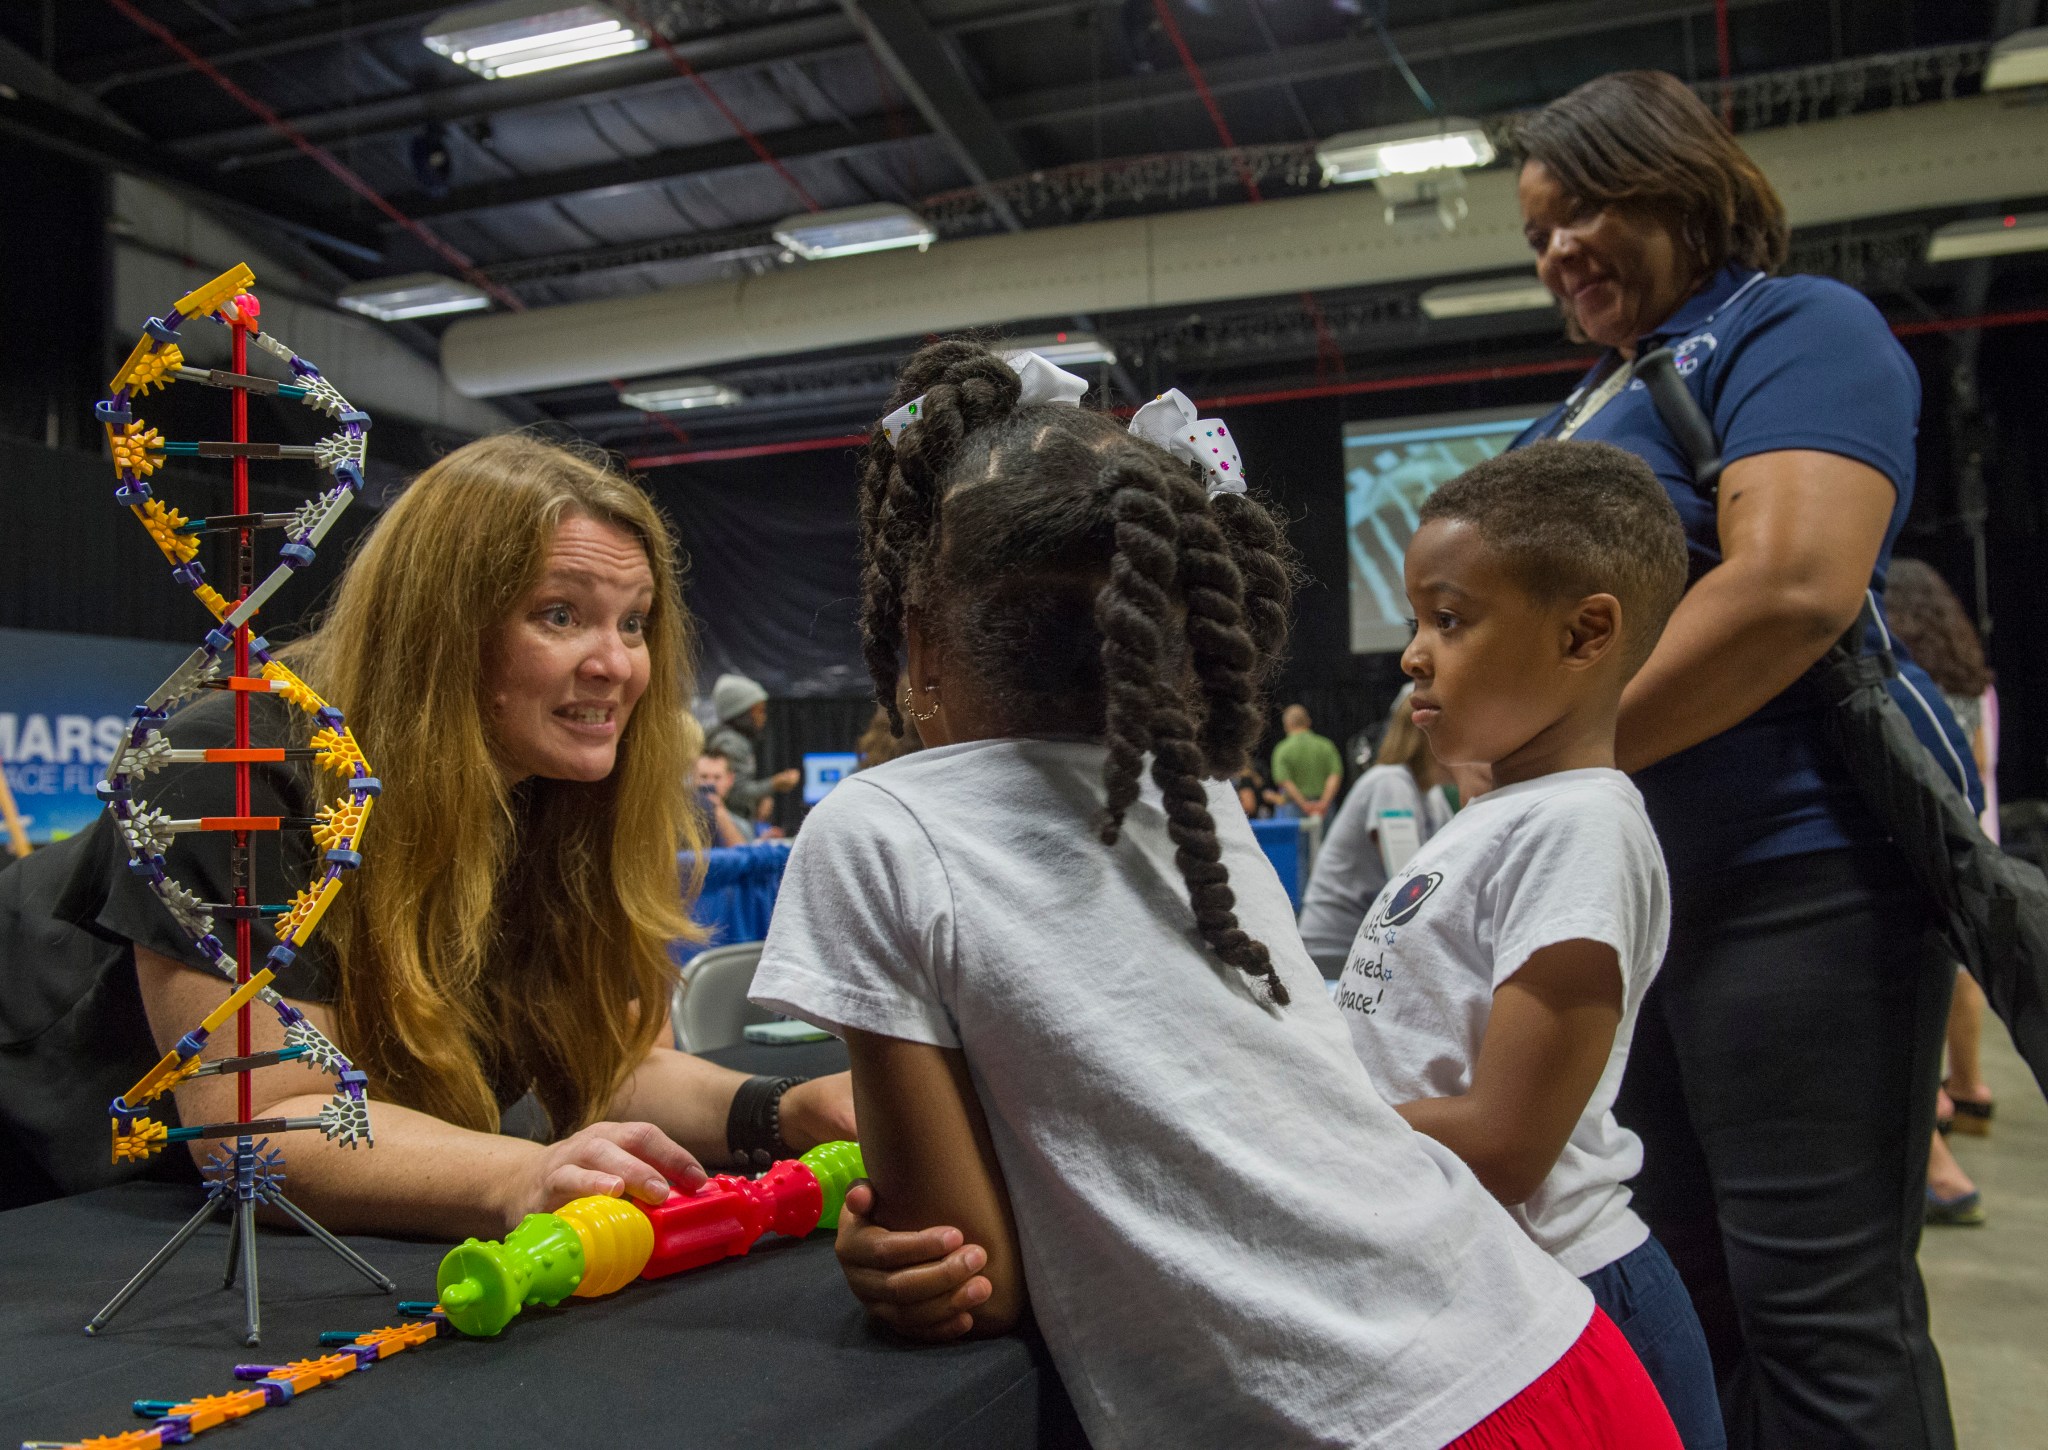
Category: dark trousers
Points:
column 1642, row 1293
column 1782, row 1080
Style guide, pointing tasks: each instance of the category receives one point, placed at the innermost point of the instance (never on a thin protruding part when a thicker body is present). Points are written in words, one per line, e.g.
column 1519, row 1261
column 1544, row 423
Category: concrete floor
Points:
column 1988, row 1286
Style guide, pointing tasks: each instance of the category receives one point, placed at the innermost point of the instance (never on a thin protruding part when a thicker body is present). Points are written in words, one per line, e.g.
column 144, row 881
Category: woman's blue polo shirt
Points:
column 1776, row 363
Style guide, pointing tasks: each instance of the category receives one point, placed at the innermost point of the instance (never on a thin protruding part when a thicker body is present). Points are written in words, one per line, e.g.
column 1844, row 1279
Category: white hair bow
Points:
column 1169, row 420
column 1042, row 383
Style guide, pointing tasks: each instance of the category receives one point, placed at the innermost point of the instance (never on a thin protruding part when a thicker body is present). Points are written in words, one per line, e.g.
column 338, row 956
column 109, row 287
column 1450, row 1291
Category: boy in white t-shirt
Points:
column 1493, row 988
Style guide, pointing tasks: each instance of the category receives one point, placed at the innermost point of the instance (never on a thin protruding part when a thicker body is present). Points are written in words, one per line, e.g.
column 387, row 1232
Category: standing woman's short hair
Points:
column 497, row 930
column 1641, row 140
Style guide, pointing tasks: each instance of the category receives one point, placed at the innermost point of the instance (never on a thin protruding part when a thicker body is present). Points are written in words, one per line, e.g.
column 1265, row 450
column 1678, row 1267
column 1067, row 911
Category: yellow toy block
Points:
column 203, row 301
column 295, row 689
column 147, row 1137
column 337, row 751
column 211, row 597
column 150, row 366
column 163, row 523
column 137, row 449
column 341, row 821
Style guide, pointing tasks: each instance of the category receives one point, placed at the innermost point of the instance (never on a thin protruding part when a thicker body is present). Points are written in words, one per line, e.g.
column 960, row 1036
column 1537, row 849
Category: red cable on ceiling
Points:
column 1328, row 354
column 754, row 143
column 1400, row 383
column 348, row 177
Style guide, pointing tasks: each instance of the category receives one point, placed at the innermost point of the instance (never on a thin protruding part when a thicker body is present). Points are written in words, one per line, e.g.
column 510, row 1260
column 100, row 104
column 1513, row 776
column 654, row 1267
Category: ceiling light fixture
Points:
column 417, row 294
column 678, row 395
column 1448, row 143
column 1067, row 349
column 854, row 230
column 1480, row 299
column 1989, row 236
column 2021, row 59
column 520, row 37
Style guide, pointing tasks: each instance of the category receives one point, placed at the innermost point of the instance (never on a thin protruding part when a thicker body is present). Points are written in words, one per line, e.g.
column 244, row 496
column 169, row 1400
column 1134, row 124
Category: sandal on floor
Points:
column 1963, row 1211
column 1972, row 1119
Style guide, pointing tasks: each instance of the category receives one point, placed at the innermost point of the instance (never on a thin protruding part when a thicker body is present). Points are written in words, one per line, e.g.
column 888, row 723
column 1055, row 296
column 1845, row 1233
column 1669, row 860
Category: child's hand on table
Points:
column 921, row 1284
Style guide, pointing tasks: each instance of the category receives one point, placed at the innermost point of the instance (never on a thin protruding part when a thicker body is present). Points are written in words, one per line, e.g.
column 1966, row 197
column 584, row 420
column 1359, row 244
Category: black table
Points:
column 766, row 1350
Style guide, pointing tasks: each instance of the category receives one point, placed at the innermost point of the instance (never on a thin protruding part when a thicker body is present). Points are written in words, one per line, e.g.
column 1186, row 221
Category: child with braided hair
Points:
column 1097, row 1075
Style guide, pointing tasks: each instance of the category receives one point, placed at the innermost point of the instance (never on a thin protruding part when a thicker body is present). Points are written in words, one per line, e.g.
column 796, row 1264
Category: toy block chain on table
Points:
column 232, row 658
column 586, row 1248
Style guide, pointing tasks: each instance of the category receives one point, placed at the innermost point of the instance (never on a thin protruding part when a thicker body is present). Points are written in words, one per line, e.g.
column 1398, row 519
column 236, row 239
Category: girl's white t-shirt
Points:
column 1565, row 857
column 1349, row 871
column 1228, row 1238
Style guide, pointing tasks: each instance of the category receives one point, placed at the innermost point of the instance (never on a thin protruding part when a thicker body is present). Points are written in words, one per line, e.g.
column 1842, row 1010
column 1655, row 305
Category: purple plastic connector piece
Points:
column 353, row 1082
column 366, row 785
column 164, row 329
column 114, row 410
column 219, row 641
column 210, row 947
column 346, row 472
column 281, row 956
column 304, row 369
column 174, row 1429
column 146, row 867
column 106, row 790
column 356, row 419
column 192, row 1043
column 346, row 860
column 329, row 716
column 296, row 555
column 190, row 575
column 132, row 492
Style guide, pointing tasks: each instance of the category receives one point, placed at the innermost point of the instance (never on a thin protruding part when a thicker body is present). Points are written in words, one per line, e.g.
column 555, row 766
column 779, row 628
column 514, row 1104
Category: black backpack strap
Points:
column 1682, row 414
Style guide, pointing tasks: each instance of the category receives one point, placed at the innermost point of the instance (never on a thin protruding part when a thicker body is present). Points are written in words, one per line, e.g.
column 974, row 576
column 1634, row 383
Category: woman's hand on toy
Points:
column 609, row 1159
column 922, row 1284
column 819, row 1111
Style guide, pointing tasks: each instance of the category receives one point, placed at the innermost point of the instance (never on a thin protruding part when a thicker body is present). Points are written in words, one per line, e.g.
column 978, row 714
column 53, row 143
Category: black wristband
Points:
column 753, row 1128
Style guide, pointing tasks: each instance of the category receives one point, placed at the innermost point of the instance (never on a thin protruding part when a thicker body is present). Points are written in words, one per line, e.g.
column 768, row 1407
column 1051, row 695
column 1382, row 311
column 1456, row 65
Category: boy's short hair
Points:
column 1572, row 519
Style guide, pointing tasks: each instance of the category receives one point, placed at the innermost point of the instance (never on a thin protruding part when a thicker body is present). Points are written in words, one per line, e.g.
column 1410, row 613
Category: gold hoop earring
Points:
column 912, row 711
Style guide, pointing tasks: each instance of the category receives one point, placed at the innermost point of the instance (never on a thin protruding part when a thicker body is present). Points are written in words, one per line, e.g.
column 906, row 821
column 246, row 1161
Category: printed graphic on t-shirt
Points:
column 1364, row 984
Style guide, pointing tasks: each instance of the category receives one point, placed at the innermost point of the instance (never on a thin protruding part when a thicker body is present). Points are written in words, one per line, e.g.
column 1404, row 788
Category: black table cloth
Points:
column 765, row 1350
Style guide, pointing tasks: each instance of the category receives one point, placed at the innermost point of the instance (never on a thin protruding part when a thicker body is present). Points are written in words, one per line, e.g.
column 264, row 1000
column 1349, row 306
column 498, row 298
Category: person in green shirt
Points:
column 1306, row 766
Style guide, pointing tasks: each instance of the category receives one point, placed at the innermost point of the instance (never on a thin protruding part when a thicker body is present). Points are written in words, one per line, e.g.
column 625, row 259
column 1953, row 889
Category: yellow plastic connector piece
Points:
column 337, row 751
column 295, row 914
column 146, row 369
column 339, row 821
column 169, row 1071
column 141, row 1142
column 213, row 599
column 296, row 690
column 163, row 523
column 210, row 298
column 137, row 449
column 305, row 917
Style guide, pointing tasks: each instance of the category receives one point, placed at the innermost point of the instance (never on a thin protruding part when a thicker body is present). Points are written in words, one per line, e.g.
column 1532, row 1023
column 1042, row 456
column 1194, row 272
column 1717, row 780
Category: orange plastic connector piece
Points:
column 143, row 1141
column 133, row 1440
column 209, row 297
column 399, row 1338
column 254, row 755
column 163, row 523
column 137, row 449
column 240, row 823
column 206, row 1411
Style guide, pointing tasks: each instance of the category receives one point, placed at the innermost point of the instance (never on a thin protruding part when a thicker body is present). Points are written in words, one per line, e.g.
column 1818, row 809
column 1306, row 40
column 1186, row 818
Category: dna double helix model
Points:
column 233, row 658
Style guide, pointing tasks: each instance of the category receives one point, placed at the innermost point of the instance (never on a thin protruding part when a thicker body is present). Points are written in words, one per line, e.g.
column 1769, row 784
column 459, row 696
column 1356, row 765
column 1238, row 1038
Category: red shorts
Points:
column 1597, row 1397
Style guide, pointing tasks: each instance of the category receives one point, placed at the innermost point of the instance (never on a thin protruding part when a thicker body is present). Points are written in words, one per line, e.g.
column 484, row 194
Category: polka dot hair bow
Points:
column 1169, row 420
column 1043, row 383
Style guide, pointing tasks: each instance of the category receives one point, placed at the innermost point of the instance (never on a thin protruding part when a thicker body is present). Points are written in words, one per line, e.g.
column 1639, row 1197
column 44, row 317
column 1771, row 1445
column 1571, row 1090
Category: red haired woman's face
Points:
column 563, row 673
column 1616, row 273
